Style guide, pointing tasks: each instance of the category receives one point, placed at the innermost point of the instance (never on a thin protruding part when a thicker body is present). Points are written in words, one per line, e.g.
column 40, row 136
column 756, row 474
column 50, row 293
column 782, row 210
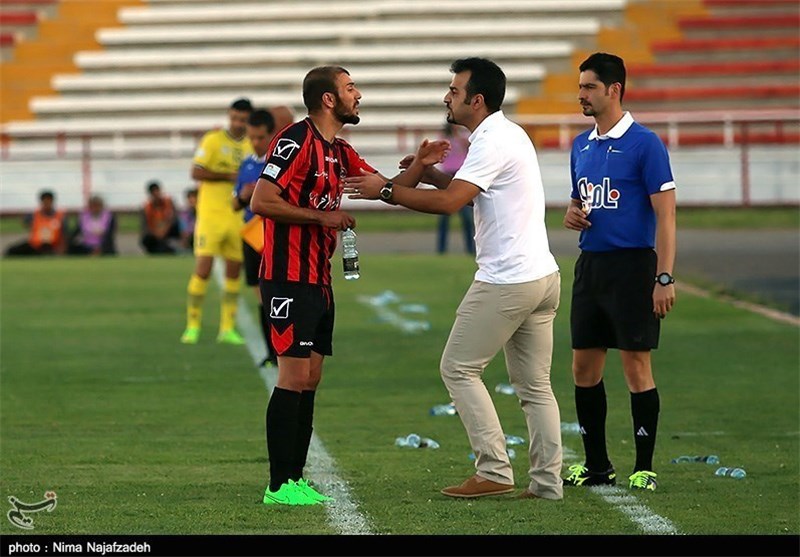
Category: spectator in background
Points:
column 159, row 223
column 459, row 145
column 95, row 230
column 47, row 227
column 260, row 131
column 187, row 218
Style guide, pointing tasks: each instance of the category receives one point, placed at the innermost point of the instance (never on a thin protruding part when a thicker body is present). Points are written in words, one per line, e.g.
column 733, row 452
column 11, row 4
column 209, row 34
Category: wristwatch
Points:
column 664, row 279
column 386, row 191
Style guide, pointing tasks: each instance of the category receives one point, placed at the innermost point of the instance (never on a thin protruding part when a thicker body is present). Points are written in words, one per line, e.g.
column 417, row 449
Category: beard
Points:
column 588, row 110
column 345, row 117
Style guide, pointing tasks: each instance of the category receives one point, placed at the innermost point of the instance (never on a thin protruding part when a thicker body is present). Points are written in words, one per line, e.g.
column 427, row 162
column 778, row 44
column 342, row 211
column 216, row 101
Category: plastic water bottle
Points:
column 428, row 443
column 504, row 389
column 737, row 473
column 411, row 440
column 444, row 410
column 709, row 459
column 514, row 440
column 350, row 255
column 570, row 427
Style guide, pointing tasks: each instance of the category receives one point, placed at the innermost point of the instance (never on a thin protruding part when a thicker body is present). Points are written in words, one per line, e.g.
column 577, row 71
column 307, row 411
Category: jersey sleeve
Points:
column 354, row 163
column 482, row 165
column 204, row 153
column 288, row 155
column 656, row 169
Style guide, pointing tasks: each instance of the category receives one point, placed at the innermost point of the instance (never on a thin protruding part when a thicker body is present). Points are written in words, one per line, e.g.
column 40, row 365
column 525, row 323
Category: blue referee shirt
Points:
column 614, row 175
column 249, row 172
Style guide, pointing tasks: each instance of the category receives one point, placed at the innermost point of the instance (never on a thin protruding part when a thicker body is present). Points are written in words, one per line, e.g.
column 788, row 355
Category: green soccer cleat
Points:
column 643, row 479
column 288, row 494
column 580, row 475
column 310, row 492
column 190, row 335
column 231, row 337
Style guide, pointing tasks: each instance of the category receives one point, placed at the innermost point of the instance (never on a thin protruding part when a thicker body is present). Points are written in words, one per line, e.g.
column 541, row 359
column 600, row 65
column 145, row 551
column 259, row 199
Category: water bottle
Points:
column 350, row 255
column 504, row 389
column 444, row 410
column 570, row 427
column 411, row 440
column 737, row 473
column 514, row 440
column 428, row 443
column 709, row 459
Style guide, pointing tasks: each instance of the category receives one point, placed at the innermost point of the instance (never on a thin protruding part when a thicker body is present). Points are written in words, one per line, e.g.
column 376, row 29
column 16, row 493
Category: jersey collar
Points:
column 617, row 131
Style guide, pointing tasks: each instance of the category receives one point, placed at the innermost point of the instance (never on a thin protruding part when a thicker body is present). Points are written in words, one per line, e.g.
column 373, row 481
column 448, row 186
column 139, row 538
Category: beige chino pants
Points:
column 519, row 319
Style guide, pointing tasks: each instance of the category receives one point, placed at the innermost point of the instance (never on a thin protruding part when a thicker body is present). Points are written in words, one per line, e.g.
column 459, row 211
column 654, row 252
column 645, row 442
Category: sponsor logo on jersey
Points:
column 279, row 308
column 598, row 196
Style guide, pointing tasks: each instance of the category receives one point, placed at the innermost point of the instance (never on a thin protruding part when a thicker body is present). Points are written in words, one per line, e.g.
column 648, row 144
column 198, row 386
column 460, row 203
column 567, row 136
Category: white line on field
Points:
column 634, row 509
column 770, row 313
column 343, row 513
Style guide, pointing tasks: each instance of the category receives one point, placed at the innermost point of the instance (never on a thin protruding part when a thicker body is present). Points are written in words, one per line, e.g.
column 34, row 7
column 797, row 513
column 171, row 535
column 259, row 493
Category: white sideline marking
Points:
column 633, row 508
column 343, row 513
column 770, row 313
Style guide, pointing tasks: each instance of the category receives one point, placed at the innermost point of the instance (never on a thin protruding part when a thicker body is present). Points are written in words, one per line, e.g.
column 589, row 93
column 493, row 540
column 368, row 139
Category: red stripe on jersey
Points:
column 265, row 269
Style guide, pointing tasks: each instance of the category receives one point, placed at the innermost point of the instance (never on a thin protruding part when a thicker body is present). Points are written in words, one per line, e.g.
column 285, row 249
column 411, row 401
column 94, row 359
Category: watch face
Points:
column 664, row 279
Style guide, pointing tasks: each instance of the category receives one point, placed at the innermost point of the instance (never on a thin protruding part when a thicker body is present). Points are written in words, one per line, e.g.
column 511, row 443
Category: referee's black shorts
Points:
column 252, row 262
column 612, row 300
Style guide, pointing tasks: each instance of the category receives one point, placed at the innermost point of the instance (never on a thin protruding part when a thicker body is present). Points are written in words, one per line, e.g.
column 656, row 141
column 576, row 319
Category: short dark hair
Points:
column 262, row 118
column 319, row 81
column 609, row 69
column 190, row 191
column 486, row 78
column 242, row 105
column 153, row 185
column 46, row 194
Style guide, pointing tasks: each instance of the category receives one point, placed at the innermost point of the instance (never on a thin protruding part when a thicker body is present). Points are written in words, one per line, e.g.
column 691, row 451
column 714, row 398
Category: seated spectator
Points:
column 187, row 219
column 47, row 227
column 95, row 231
column 159, row 223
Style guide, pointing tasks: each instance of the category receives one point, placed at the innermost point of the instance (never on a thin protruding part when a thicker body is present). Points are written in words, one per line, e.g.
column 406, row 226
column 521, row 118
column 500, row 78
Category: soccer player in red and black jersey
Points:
column 299, row 193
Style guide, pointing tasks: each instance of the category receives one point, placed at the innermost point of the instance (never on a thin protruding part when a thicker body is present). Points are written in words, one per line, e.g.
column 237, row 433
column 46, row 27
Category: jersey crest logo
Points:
column 597, row 196
column 284, row 148
column 279, row 308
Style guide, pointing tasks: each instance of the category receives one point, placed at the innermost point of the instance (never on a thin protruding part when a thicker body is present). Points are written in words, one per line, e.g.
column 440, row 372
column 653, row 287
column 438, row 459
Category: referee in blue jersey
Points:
column 623, row 205
column 260, row 130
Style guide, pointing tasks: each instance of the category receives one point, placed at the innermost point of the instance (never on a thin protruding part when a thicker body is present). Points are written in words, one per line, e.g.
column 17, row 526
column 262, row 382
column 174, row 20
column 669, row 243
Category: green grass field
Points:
column 138, row 434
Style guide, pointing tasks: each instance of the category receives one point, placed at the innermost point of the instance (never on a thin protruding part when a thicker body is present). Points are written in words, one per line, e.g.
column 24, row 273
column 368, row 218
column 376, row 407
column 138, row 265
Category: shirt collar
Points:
column 491, row 120
column 617, row 131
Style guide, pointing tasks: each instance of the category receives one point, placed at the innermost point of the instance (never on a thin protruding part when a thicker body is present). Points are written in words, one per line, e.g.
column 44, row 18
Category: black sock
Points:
column 644, row 409
column 265, row 332
column 304, row 431
column 282, row 413
column 590, row 404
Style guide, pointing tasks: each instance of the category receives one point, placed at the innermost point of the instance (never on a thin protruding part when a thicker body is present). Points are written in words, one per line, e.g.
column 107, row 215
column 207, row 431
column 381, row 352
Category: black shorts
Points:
column 300, row 317
column 252, row 262
column 612, row 300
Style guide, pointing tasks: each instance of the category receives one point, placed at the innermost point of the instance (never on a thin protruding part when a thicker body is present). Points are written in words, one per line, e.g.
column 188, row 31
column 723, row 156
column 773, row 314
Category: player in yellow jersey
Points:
column 217, row 231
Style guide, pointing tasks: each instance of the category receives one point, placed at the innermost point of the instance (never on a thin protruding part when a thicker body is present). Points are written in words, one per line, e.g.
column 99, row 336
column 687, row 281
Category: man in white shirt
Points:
column 512, row 302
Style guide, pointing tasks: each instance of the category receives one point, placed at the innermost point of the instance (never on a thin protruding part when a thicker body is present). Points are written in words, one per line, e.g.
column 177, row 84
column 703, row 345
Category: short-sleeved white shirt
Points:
column 511, row 241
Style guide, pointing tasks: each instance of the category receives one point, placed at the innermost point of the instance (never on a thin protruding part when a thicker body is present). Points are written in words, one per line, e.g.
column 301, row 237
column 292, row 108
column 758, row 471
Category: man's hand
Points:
column 663, row 299
column 366, row 186
column 247, row 191
column 337, row 219
column 575, row 218
column 432, row 152
column 405, row 162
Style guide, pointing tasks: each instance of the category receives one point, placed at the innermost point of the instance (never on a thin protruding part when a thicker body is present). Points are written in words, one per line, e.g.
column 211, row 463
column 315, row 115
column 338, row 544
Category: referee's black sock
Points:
column 304, row 431
column 644, row 408
column 282, row 414
column 591, row 407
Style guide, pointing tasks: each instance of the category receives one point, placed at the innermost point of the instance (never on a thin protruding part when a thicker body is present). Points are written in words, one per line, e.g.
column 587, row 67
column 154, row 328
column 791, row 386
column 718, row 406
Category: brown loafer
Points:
column 477, row 487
